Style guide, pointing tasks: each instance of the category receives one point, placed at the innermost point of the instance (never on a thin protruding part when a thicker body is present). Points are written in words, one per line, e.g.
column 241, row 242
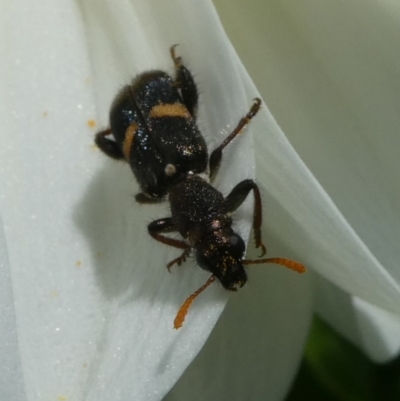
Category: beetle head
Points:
column 221, row 253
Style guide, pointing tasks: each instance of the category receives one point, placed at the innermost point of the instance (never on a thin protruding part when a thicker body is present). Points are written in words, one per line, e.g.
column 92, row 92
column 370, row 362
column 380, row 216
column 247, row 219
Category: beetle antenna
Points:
column 290, row 264
column 183, row 310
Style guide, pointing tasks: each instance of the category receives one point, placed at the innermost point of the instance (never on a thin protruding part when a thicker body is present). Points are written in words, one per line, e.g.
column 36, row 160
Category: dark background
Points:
column 334, row 370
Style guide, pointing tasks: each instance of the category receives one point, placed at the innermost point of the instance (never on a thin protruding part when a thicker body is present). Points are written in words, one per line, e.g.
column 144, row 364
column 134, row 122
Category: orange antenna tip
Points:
column 183, row 310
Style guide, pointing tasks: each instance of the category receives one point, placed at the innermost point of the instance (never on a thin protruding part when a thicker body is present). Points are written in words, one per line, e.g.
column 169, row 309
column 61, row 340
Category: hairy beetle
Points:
column 153, row 122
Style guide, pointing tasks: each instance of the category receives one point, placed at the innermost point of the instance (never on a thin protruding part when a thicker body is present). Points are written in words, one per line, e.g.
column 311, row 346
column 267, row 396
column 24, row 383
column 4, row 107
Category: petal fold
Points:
column 374, row 330
column 309, row 60
column 11, row 377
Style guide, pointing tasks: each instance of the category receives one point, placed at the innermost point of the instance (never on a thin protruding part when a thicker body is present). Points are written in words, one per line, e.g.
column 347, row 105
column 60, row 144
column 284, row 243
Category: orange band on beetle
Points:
column 169, row 110
column 129, row 137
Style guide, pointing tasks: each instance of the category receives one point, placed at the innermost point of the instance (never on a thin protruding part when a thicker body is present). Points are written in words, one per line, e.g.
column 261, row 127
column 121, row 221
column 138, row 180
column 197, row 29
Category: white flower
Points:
column 86, row 302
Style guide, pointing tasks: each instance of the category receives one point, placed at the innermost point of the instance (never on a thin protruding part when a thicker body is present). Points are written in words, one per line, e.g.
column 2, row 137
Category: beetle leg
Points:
column 237, row 197
column 216, row 155
column 146, row 199
column 157, row 227
column 185, row 82
column 179, row 260
column 109, row 147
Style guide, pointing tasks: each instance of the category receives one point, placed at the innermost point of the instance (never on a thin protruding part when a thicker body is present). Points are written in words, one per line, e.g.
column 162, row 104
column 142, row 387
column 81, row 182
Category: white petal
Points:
column 362, row 258
column 374, row 330
column 94, row 303
column 11, row 380
column 254, row 350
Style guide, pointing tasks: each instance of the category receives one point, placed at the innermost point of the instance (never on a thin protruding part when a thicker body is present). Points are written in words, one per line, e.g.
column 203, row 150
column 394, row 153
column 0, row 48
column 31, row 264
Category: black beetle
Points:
column 153, row 122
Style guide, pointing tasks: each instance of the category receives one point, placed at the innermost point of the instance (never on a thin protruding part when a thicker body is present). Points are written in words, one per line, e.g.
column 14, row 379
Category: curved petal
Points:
column 331, row 125
column 256, row 346
column 374, row 330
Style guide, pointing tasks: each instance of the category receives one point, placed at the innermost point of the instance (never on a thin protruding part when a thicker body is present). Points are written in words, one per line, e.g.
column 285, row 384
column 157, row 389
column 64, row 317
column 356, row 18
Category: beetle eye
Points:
column 234, row 239
column 237, row 244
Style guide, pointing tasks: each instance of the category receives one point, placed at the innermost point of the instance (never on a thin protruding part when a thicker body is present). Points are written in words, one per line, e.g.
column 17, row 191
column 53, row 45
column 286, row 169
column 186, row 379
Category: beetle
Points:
column 153, row 122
